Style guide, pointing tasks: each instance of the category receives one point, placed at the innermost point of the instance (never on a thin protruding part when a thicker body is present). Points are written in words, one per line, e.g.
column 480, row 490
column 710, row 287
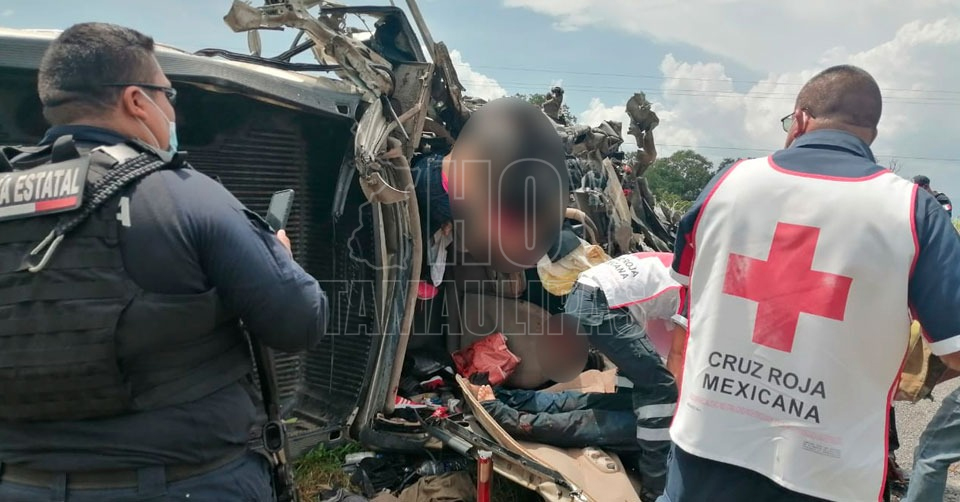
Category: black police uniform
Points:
column 125, row 350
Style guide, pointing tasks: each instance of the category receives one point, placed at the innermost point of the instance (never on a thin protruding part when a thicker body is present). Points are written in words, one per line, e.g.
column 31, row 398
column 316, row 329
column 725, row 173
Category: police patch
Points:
column 47, row 189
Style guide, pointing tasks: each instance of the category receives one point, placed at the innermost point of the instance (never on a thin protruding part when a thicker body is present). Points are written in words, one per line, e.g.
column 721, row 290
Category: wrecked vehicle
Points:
column 342, row 131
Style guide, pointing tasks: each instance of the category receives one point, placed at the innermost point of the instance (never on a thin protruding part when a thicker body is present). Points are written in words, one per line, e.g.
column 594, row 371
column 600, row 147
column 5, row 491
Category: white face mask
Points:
column 171, row 125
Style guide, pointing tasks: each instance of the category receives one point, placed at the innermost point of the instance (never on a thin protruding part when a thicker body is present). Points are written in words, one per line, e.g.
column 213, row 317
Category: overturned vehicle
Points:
column 343, row 131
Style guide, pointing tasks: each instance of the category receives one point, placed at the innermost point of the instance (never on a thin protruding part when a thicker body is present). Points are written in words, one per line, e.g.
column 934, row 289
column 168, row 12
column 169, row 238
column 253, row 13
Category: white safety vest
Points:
column 637, row 279
column 642, row 283
column 798, row 322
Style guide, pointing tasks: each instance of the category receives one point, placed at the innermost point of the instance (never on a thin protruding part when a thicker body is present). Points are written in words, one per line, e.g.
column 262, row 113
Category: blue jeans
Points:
column 567, row 419
column 615, row 334
column 938, row 448
column 246, row 479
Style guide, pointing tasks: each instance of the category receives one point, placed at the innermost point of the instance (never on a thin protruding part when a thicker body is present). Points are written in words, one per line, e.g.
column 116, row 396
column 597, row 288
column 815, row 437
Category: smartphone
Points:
column 280, row 205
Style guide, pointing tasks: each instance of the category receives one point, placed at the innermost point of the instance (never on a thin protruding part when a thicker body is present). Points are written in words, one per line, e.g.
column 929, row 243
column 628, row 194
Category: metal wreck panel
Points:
column 586, row 469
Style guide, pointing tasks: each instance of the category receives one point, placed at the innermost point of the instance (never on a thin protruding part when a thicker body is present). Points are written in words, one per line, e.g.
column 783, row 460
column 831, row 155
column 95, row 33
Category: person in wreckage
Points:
column 499, row 191
column 800, row 295
column 628, row 309
column 123, row 365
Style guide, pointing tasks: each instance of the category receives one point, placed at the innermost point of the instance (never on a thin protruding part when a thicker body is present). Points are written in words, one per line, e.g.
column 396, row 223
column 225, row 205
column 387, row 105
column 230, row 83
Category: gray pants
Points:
column 246, row 479
column 939, row 447
column 615, row 334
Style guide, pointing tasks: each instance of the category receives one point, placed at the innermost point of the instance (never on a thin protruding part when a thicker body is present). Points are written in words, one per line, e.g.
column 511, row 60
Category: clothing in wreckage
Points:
column 785, row 294
column 136, row 357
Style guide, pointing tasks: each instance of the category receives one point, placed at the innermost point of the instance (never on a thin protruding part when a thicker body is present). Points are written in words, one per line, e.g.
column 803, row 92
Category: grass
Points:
column 322, row 469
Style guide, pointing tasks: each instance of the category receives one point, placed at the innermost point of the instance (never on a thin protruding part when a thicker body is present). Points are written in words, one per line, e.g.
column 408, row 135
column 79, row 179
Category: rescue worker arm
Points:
column 683, row 248
column 935, row 284
column 677, row 348
column 254, row 274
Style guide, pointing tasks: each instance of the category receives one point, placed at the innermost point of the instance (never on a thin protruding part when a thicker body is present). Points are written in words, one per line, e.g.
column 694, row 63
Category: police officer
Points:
column 124, row 274
column 924, row 183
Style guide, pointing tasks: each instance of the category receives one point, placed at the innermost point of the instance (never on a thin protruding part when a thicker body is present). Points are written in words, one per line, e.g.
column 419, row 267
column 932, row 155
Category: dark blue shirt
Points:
column 934, row 287
column 187, row 234
column 433, row 200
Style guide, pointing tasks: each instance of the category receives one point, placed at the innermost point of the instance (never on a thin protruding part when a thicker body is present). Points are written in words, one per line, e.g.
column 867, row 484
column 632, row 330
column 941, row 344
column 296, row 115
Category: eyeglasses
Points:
column 169, row 92
column 787, row 121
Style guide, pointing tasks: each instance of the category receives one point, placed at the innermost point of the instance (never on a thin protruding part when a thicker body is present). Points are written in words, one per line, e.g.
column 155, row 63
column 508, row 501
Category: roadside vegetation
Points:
column 322, row 468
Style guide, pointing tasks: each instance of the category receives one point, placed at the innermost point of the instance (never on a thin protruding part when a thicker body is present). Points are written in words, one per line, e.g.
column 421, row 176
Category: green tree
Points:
column 538, row 99
column 727, row 162
column 679, row 178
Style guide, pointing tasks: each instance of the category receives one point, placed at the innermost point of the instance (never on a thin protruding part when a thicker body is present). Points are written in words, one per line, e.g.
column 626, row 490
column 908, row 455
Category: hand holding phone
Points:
column 279, row 211
column 277, row 214
column 285, row 241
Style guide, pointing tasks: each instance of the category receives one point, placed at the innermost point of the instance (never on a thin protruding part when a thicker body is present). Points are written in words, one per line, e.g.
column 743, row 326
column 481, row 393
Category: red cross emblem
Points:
column 785, row 285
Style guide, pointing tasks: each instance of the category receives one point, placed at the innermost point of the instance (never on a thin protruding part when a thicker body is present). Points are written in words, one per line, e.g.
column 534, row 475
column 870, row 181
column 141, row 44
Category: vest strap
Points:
column 49, row 292
column 40, row 326
column 119, row 177
column 64, row 149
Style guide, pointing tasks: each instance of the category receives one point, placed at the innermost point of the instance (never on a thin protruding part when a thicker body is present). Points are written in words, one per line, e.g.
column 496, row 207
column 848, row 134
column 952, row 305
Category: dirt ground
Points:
column 912, row 419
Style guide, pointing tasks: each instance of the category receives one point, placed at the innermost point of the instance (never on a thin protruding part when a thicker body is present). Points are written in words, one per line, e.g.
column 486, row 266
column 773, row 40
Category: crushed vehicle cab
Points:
column 342, row 130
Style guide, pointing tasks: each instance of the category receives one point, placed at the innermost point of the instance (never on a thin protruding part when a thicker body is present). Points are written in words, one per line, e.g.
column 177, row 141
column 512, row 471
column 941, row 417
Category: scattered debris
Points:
column 449, row 487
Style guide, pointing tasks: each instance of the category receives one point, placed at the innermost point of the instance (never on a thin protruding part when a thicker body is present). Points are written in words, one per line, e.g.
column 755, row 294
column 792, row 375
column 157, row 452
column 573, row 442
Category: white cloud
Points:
column 598, row 112
column 478, row 85
column 756, row 33
column 6, row 13
column 700, row 106
column 670, row 131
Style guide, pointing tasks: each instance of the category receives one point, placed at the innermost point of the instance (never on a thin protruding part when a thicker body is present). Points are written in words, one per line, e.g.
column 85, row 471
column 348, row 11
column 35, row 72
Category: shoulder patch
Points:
column 47, row 189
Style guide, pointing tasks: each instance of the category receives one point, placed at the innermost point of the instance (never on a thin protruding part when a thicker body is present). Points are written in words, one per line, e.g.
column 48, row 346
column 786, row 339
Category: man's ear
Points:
column 795, row 129
column 133, row 102
column 802, row 121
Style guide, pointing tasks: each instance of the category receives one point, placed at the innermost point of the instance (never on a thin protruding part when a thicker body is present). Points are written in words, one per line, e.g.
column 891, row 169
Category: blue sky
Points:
column 720, row 72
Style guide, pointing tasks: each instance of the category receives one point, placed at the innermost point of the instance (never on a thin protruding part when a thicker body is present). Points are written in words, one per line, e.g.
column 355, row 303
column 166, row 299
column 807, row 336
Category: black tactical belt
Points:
column 102, row 480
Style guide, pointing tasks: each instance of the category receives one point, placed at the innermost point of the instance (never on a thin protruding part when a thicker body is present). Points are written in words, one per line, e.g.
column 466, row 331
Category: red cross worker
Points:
column 803, row 272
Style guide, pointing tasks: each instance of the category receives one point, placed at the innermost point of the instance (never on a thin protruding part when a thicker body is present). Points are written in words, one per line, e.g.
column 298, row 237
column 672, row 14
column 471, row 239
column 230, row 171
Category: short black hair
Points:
column 921, row 180
column 82, row 59
column 844, row 94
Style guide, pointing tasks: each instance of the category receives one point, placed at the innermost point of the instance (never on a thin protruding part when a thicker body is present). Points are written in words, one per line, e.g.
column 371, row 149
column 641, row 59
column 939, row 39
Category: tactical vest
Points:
column 78, row 338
